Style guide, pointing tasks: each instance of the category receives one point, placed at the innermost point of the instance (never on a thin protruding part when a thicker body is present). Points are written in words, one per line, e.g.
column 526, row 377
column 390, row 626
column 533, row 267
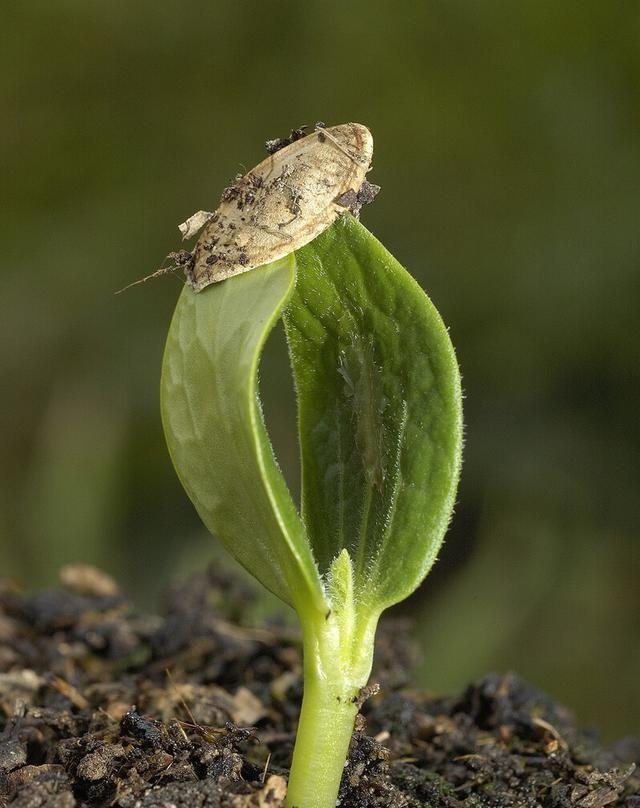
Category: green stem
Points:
column 322, row 744
column 334, row 673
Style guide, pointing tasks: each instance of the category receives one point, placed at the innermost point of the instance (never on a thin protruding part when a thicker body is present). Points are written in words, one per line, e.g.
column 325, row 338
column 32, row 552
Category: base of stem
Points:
column 322, row 745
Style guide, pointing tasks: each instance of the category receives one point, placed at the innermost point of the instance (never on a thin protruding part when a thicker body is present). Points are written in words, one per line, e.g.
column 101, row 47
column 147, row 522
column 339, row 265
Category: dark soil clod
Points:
column 272, row 146
column 217, row 705
column 355, row 200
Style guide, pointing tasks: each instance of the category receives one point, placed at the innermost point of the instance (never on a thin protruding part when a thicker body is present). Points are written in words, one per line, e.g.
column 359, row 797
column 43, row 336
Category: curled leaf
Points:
column 216, row 435
column 380, row 412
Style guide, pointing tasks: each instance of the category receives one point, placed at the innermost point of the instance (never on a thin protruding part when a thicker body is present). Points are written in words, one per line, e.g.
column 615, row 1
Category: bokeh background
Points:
column 508, row 151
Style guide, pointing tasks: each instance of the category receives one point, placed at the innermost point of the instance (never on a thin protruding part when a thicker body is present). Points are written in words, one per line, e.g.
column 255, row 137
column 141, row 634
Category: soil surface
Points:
column 103, row 706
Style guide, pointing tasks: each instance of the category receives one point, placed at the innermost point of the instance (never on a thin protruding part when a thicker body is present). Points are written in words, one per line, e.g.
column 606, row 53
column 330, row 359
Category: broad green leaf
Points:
column 380, row 415
column 216, row 435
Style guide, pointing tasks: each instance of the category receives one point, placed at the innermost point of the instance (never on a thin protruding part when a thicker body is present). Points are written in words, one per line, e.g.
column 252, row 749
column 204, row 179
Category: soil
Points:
column 103, row 706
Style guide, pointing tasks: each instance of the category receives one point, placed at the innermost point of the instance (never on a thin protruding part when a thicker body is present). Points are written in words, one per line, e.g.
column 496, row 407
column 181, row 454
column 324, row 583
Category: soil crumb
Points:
column 272, row 146
column 104, row 706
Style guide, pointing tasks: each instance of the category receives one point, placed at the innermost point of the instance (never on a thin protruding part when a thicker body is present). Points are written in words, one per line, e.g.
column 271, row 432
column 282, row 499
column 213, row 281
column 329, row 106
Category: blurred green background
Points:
column 508, row 151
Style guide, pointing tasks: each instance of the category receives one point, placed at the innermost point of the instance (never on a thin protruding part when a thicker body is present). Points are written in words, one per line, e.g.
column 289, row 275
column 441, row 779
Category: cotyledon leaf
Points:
column 380, row 415
column 216, row 435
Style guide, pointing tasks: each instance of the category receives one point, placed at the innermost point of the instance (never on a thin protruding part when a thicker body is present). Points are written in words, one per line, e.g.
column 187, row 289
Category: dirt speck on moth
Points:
column 283, row 203
column 355, row 200
column 272, row 146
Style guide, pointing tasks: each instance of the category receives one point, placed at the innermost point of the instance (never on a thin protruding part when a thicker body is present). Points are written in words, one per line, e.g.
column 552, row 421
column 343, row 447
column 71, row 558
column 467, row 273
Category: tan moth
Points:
column 283, row 203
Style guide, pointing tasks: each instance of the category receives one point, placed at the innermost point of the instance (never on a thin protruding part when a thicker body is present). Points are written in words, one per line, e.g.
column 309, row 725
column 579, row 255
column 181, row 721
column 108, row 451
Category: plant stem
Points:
column 322, row 745
column 333, row 677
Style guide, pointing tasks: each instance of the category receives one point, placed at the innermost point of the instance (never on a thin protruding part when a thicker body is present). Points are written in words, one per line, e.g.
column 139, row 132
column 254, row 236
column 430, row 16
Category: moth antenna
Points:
column 156, row 274
column 355, row 158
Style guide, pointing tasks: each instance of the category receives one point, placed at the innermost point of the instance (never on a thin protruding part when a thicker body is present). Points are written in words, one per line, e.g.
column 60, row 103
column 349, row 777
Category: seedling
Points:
column 379, row 419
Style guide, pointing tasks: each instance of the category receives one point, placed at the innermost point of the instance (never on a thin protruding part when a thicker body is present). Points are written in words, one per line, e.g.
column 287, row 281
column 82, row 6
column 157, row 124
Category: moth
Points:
column 282, row 204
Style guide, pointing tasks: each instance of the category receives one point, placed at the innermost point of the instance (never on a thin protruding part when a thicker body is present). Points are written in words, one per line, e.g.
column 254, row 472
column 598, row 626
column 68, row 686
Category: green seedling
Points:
column 380, row 432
